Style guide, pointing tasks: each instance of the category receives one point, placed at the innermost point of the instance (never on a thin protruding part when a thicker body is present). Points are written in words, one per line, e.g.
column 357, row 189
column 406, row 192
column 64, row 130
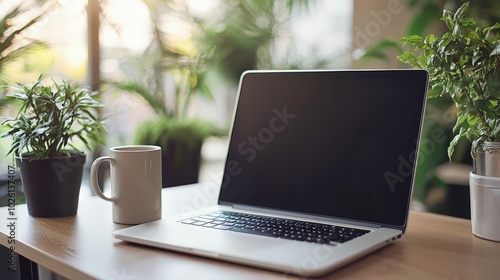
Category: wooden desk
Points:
column 81, row 247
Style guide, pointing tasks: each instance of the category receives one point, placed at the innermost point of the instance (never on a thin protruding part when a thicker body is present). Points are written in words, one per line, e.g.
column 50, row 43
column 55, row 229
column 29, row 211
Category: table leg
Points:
column 28, row 269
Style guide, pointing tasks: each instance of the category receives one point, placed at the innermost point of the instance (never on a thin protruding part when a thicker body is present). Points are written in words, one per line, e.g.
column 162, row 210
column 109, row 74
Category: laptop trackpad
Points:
column 247, row 247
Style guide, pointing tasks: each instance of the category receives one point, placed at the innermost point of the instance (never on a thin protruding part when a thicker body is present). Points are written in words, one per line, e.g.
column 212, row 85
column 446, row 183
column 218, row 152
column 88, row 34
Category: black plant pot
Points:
column 52, row 186
column 181, row 163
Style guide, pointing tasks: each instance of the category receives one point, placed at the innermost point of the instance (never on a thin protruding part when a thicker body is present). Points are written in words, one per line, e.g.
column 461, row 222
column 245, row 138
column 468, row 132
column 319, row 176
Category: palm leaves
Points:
column 12, row 44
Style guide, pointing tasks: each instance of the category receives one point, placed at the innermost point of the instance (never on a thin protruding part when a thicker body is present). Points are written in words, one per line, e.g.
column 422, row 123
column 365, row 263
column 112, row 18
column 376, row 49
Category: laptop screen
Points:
column 329, row 143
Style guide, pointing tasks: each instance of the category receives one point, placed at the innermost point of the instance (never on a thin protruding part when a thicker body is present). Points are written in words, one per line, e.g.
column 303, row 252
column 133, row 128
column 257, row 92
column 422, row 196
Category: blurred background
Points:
column 182, row 59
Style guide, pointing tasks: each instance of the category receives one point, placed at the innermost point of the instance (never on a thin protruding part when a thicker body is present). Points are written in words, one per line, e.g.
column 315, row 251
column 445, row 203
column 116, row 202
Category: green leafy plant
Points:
column 13, row 43
column 51, row 118
column 464, row 64
column 162, row 130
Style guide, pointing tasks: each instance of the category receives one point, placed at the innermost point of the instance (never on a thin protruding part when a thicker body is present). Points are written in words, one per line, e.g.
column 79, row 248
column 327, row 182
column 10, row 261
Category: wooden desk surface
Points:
column 81, row 247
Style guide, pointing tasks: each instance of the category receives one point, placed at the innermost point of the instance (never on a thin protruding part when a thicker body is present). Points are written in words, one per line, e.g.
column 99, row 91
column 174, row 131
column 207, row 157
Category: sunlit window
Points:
column 228, row 39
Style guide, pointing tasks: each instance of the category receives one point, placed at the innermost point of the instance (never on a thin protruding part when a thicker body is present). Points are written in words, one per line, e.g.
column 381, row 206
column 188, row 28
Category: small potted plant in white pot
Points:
column 464, row 65
column 44, row 132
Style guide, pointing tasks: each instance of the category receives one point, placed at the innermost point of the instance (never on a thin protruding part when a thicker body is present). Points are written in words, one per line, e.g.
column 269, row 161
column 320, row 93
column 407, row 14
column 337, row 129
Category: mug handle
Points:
column 93, row 177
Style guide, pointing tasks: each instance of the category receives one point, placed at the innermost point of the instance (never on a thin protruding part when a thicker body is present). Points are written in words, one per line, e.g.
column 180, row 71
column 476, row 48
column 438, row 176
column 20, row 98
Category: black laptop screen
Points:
column 333, row 143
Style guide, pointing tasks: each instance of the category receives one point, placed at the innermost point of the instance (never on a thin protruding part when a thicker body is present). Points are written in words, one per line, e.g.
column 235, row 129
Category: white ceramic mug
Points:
column 135, row 183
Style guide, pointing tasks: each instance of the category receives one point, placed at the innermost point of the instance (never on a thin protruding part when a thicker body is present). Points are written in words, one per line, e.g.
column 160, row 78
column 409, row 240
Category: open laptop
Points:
column 319, row 172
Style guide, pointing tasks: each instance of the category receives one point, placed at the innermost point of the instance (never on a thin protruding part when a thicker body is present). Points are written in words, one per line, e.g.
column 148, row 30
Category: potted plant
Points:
column 464, row 65
column 180, row 137
column 44, row 132
column 181, row 142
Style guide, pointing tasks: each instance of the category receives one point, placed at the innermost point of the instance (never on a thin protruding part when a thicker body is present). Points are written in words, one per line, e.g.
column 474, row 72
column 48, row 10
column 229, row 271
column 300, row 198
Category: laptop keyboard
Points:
column 276, row 227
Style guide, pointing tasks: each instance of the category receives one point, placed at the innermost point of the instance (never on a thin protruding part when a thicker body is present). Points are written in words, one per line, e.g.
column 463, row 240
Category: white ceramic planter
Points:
column 485, row 206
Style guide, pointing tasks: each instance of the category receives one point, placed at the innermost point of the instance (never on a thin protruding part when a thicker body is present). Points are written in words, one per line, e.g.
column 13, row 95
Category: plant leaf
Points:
column 496, row 50
column 461, row 12
column 414, row 40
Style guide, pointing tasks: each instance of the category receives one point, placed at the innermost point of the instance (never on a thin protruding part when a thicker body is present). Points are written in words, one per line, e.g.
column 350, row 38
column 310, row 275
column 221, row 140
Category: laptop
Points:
column 319, row 172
